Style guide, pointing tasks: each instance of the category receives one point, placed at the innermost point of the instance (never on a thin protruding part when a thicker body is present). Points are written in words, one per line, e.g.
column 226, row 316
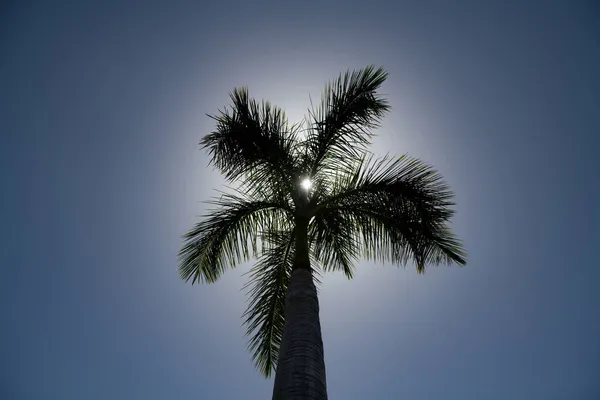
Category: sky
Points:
column 102, row 106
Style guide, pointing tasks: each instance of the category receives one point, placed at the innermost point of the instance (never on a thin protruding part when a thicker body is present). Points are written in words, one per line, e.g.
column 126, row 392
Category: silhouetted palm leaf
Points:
column 227, row 236
column 401, row 208
column 253, row 142
column 264, row 317
column 341, row 127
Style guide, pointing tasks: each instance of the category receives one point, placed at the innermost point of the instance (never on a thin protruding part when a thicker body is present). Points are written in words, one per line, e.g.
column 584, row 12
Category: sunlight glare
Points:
column 306, row 184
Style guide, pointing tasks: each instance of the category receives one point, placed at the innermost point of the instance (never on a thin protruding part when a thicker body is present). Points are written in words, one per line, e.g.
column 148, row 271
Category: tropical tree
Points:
column 310, row 198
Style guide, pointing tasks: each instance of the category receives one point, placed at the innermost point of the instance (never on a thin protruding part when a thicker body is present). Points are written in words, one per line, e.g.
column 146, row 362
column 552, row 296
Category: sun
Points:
column 306, row 184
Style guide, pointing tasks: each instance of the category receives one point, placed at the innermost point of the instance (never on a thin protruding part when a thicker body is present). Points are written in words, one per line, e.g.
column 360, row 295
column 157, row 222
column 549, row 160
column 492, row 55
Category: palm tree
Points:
column 307, row 199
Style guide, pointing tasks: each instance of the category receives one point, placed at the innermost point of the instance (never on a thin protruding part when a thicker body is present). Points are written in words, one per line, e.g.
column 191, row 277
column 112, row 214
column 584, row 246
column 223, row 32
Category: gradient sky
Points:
column 102, row 105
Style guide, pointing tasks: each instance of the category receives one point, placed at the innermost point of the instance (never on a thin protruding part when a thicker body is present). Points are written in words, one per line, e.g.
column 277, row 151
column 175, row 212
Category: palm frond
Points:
column 342, row 125
column 266, row 290
column 401, row 207
column 334, row 241
column 227, row 235
column 252, row 141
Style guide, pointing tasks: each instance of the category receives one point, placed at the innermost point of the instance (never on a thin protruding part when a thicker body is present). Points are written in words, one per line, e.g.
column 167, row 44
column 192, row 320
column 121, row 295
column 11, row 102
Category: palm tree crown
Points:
column 316, row 181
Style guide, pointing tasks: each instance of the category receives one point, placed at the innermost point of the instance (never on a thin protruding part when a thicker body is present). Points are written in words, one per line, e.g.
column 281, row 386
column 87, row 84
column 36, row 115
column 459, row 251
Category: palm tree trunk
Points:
column 301, row 366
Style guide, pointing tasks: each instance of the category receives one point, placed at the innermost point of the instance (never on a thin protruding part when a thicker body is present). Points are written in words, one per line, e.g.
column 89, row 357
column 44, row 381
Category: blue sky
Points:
column 102, row 105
